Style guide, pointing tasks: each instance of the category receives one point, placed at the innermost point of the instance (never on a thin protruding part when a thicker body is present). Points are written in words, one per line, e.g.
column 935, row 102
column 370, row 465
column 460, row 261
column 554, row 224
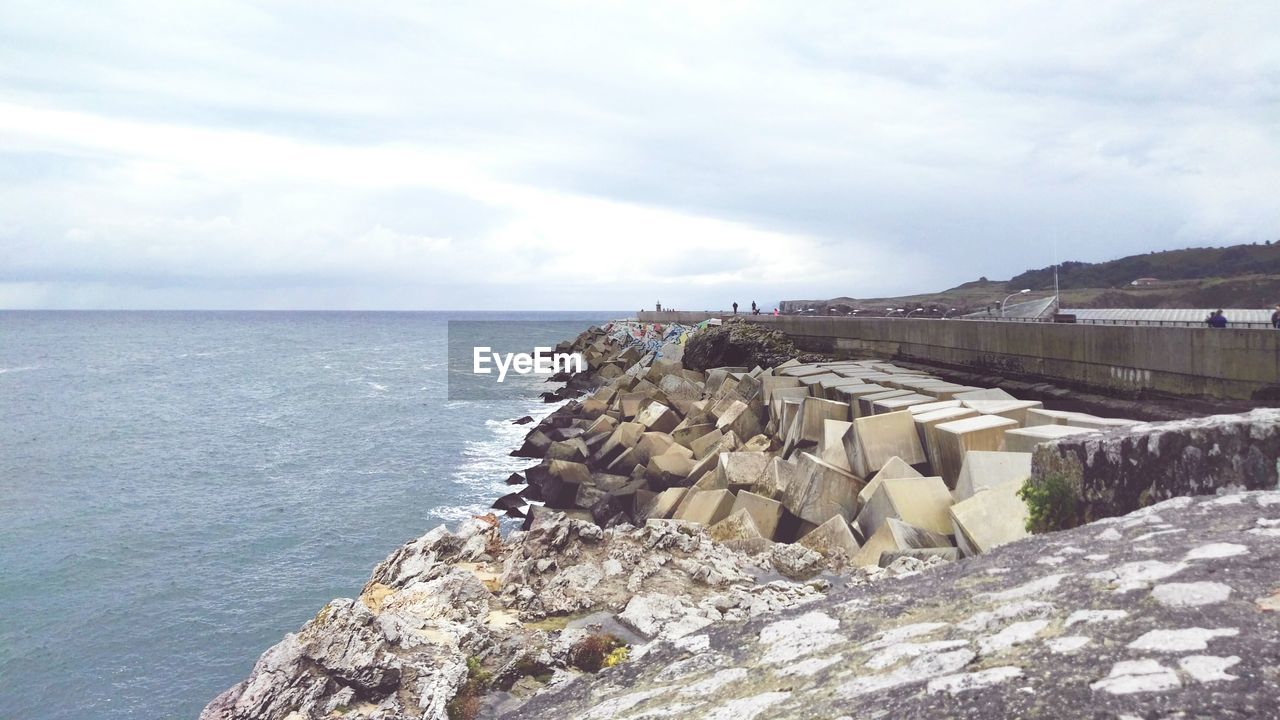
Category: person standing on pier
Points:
column 1275, row 318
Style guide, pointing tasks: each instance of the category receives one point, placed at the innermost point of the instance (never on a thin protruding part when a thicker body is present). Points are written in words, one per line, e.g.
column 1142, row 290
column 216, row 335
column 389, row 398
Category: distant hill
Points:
column 1188, row 264
column 1239, row 276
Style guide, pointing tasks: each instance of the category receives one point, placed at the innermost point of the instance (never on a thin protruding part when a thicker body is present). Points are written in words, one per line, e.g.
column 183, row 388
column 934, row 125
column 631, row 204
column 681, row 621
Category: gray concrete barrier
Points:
column 1218, row 364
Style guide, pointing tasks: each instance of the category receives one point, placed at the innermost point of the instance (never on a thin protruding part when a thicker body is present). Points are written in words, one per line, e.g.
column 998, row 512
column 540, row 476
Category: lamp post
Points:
column 1020, row 292
column 945, row 314
column 919, row 309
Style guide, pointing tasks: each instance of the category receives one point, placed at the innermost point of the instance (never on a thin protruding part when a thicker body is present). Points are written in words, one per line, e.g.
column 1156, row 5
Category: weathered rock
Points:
column 1124, row 469
column 947, row 554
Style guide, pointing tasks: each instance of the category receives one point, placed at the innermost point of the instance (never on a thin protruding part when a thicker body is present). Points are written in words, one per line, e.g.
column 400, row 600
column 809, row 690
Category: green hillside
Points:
column 1188, row 264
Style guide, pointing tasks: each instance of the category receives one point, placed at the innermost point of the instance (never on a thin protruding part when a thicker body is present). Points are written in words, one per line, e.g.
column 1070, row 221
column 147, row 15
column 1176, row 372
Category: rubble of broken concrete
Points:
column 666, row 500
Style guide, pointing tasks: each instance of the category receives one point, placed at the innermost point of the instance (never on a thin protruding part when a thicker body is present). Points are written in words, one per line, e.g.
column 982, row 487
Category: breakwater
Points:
column 1228, row 368
column 679, row 502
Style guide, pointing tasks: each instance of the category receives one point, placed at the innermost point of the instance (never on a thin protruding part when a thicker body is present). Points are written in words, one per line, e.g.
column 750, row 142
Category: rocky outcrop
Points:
column 1170, row 611
column 471, row 615
column 1128, row 468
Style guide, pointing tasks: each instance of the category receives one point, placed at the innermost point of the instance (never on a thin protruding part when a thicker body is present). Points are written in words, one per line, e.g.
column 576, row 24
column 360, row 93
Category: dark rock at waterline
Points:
column 510, row 502
column 516, row 479
column 522, row 421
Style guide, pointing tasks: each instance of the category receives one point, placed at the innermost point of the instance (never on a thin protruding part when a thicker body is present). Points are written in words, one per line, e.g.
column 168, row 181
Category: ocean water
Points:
column 178, row 490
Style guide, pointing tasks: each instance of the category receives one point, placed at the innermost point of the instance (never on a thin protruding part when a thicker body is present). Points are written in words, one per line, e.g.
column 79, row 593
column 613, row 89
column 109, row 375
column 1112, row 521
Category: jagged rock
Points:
column 1123, row 469
column 1099, row 621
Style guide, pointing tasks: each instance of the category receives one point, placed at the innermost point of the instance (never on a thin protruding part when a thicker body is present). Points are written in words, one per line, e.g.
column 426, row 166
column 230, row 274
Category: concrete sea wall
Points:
column 1241, row 366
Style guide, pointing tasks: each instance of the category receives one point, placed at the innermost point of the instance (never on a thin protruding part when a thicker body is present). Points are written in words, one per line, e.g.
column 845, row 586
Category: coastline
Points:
column 601, row 580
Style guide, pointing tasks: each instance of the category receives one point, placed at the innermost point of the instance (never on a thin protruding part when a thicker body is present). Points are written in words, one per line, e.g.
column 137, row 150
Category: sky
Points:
column 610, row 155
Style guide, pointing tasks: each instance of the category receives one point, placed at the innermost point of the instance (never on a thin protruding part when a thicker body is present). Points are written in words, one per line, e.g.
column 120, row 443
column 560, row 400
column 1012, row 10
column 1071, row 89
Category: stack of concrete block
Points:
column 859, row 460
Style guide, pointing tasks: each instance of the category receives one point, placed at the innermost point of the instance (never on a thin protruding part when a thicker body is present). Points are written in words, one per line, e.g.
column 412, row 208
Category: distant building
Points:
column 1140, row 282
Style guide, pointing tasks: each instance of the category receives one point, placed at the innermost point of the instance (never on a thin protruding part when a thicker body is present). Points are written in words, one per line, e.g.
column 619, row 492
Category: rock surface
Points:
column 1125, row 468
column 1171, row 611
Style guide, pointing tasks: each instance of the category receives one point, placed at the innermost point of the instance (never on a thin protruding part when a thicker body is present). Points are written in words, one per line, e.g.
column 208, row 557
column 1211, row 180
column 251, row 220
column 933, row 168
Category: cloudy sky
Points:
column 414, row 155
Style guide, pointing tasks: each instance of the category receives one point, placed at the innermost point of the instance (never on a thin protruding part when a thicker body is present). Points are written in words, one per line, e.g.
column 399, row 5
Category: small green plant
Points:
column 465, row 704
column 1051, row 503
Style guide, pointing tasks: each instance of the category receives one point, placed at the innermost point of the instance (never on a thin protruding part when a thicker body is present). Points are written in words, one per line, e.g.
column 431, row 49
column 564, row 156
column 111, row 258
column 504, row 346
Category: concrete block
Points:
column 935, row 405
column 766, row 512
column 901, row 402
column 574, row 450
column 1100, row 423
column 625, row 462
column 668, row 470
column 926, row 430
column 990, row 518
column 851, row 393
column 769, row 383
column 866, row 403
column 832, row 540
column 629, row 403
column 703, row 443
column 955, row 438
column 984, row 394
column 986, row 469
column 821, row 491
column 743, row 470
column 707, row 507
column 759, row 443
column 831, row 447
column 780, row 476
column 896, row 467
column 896, row 535
column 681, row 393
column 1013, row 409
column 782, row 393
column 738, row 526
column 921, row 501
column 658, row 418
column 652, row 444
column 814, row 382
column 799, row 371
column 828, row 388
column 876, row 438
column 807, row 429
column 626, row 435
column 1025, row 440
column 727, row 442
column 749, row 388
column 741, row 418
column 1041, row 416
column 689, row 433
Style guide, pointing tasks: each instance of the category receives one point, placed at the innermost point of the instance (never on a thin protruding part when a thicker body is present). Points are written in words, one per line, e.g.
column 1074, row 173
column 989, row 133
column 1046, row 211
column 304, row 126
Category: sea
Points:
column 179, row 490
